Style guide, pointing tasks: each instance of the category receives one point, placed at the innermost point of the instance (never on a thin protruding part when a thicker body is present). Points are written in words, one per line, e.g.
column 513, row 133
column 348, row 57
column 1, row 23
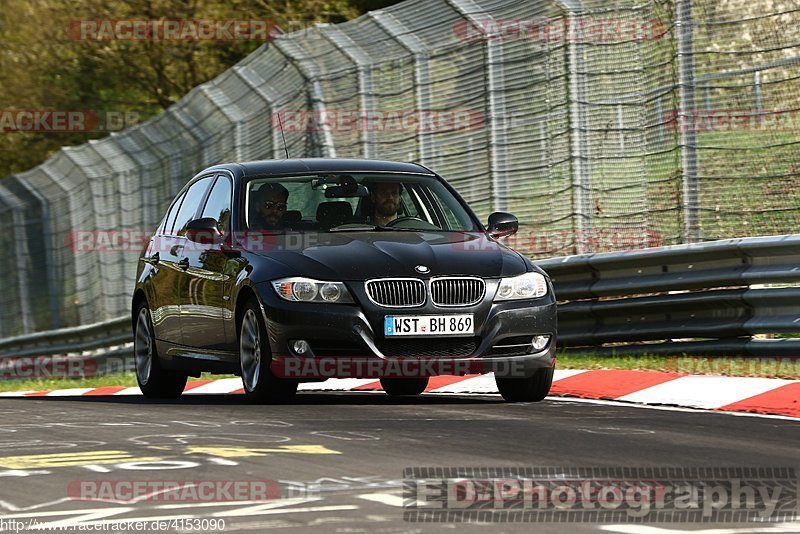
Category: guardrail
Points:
column 69, row 340
column 661, row 300
column 655, row 301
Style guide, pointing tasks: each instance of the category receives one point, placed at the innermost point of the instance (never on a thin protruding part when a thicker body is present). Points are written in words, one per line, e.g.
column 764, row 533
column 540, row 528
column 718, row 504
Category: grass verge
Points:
column 788, row 368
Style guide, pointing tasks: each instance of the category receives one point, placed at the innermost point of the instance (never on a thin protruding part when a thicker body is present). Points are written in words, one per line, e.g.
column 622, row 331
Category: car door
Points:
column 205, row 306
column 165, row 274
column 181, row 247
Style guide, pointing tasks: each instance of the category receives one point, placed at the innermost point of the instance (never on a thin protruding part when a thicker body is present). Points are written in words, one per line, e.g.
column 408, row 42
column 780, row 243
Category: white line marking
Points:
column 480, row 384
column 272, row 505
column 223, row 385
column 561, row 374
column 383, row 498
column 336, row 384
column 129, row 391
column 71, row 392
column 705, row 391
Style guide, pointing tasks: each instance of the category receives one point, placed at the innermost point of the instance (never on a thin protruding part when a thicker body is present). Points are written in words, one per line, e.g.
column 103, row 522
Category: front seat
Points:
column 330, row 214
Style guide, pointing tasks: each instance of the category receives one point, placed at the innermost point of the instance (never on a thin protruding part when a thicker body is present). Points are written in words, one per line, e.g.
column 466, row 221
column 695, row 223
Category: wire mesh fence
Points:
column 603, row 125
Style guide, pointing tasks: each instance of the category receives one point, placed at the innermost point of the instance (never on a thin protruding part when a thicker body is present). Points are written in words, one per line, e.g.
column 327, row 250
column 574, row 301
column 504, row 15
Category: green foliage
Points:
column 45, row 65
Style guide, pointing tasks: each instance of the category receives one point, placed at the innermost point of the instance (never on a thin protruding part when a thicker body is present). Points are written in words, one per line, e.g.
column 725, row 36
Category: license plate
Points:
column 428, row 325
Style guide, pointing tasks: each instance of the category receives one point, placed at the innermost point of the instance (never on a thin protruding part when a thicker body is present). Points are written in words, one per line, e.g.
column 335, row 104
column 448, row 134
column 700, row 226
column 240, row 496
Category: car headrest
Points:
column 334, row 213
column 364, row 208
column 292, row 216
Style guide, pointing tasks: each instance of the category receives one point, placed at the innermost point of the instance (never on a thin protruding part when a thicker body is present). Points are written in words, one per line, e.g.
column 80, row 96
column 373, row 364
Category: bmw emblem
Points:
column 422, row 269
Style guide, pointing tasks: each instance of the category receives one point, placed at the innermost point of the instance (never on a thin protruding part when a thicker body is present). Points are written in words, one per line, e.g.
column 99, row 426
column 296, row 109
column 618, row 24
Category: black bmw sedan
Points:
column 299, row 270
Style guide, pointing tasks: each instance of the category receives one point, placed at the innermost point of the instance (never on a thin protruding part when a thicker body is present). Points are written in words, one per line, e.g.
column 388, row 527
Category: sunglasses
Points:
column 280, row 206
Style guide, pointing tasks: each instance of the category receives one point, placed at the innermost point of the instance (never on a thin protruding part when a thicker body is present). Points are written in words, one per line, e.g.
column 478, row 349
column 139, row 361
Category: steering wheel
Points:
column 418, row 223
column 405, row 218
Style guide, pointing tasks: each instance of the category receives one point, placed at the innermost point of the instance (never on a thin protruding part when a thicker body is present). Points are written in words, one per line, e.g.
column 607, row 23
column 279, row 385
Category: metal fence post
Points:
column 422, row 80
column 80, row 261
column 498, row 120
column 309, row 70
column 231, row 112
column 757, row 97
column 253, row 80
column 688, row 127
column 578, row 126
column 49, row 247
column 22, row 258
column 361, row 59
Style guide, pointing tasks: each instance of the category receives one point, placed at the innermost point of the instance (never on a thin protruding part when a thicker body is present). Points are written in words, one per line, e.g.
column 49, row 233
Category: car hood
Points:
column 363, row 255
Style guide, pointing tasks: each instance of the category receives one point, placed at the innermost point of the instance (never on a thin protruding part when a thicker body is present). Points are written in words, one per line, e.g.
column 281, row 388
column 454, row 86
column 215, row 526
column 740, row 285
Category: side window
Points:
column 190, row 204
column 452, row 220
column 419, row 205
column 408, row 206
column 218, row 204
column 171, row 214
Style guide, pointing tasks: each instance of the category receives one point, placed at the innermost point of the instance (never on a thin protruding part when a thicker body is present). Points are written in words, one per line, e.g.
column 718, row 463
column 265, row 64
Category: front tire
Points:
column 154, row 381
column 255, row 357
column 404, row 387
column 530, row 389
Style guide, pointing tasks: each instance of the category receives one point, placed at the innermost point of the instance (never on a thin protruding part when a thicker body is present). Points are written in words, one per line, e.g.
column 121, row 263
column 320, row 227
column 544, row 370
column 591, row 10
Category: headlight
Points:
column 308, row 290
column 524, row 286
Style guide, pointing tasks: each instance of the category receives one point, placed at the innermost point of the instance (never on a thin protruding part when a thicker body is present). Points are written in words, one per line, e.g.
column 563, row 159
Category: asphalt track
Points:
column 339, row 457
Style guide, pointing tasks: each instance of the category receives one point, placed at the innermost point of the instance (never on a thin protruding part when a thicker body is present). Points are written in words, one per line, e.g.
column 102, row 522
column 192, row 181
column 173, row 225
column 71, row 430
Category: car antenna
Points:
column 280, row 124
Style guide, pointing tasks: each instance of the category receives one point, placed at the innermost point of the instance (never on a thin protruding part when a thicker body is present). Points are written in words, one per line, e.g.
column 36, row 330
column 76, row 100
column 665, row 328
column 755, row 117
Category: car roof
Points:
column 314, row 165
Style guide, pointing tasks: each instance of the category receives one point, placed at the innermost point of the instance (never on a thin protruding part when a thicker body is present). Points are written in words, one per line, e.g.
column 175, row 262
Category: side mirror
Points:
column 204, row 231
column 502, row 224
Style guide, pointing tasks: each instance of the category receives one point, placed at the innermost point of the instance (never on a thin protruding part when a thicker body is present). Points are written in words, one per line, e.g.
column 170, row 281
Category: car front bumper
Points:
column 347, row 340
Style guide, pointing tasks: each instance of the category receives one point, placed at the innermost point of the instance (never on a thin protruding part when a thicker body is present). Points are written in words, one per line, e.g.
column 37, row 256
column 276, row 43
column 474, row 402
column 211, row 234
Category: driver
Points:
column 385, row 197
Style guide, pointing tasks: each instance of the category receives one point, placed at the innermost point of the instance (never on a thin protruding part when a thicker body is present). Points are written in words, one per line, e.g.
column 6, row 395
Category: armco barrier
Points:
column 705, row 299
column 722, row 292
column 69, row 340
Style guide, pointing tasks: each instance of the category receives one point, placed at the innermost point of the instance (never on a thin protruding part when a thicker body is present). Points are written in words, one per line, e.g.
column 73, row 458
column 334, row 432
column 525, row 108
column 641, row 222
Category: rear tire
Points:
column 255, row 358
column 404, row 387
column 154, row 381
column 531, row 389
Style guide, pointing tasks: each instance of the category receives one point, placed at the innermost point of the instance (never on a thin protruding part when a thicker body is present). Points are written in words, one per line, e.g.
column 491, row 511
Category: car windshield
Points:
column 353, row 202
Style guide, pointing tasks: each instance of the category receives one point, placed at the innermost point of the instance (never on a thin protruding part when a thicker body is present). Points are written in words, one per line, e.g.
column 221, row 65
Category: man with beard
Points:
column 271, row 206
column 385, row 197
